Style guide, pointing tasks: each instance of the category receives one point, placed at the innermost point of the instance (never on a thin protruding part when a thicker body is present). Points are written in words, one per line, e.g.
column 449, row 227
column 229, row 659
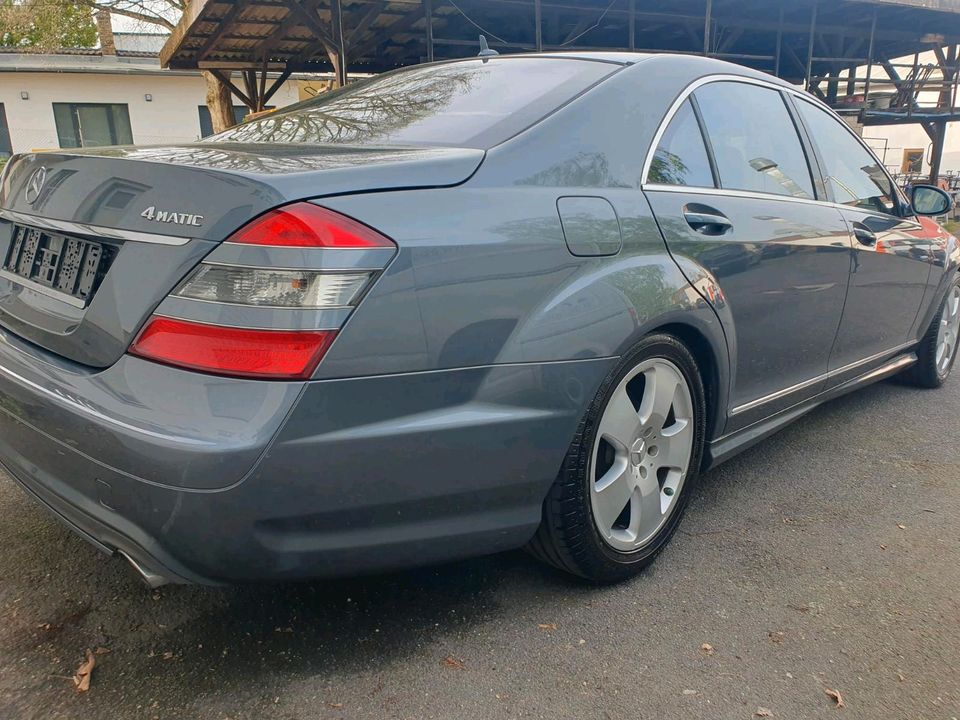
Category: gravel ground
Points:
column 826, row 558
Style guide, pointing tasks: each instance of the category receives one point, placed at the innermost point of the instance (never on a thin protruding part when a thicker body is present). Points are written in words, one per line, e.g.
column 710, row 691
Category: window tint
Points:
column 852, row 174
column 681, row 156
column 755, row 143
column 472, row 103
column 92, row 124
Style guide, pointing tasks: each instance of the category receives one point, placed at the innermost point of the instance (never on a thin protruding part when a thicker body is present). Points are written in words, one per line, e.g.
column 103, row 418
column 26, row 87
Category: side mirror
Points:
column 929, row 200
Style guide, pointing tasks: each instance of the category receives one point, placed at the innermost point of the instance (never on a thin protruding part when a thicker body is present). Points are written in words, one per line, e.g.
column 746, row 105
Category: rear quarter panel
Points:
column 483, row 275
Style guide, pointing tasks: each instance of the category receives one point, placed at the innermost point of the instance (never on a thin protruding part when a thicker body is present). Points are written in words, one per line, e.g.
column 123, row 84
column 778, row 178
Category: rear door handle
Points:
column 707, row 221
column 863, row 234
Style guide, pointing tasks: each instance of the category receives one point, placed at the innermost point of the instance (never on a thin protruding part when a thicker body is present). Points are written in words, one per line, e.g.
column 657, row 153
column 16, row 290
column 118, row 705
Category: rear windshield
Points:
column 473, row 103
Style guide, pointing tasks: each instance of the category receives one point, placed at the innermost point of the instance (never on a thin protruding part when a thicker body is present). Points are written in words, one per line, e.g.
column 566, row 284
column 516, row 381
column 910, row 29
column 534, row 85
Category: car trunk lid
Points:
column 92, row 241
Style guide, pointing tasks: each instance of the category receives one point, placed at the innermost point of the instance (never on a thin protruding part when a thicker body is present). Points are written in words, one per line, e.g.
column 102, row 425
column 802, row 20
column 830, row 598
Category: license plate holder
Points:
column 60, row 264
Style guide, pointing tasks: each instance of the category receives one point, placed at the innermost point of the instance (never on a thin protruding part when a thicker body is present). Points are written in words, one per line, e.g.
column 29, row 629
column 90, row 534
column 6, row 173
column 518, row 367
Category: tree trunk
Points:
column 219, row 103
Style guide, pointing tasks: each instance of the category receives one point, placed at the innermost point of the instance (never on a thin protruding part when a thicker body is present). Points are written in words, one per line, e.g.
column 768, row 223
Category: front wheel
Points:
column 938, row 348
column 631, row 467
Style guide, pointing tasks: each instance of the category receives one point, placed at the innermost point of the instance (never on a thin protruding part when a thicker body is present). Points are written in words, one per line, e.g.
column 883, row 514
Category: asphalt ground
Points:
column 827, row 558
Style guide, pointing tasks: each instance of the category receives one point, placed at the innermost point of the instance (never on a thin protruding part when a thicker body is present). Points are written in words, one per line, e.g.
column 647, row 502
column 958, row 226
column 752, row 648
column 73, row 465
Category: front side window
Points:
column 755, row 143
column 92, row 124
column 681, row 156
column 853, row 175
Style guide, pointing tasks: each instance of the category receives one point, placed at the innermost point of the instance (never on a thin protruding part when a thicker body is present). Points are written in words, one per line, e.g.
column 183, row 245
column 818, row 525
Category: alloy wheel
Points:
column 641, row 454
column 949, row 330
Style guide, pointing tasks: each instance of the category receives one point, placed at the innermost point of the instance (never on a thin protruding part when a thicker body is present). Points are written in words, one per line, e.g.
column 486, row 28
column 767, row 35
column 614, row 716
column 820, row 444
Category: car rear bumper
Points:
column 363, row 475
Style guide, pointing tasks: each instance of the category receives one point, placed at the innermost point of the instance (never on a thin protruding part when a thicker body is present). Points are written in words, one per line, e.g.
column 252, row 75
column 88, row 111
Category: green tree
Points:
column 46, row 24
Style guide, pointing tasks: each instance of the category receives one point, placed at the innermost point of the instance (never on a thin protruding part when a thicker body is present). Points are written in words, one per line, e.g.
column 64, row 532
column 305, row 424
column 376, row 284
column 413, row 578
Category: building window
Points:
column 206, row 124
column 92, row 124
column 912, row 161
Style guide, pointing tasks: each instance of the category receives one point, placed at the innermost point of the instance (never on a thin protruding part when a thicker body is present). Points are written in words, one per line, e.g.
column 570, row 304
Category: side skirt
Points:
column 724, row 448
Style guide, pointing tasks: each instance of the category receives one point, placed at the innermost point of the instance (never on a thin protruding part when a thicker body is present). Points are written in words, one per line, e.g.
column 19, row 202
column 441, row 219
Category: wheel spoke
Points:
column 612, row 493
column 674, row 450
column 651, row 506
column 658, row 395
column 621, row 422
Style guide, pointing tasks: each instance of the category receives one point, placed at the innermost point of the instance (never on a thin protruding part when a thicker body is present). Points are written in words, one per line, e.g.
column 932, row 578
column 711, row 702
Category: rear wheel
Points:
column 630, row 470
column 938, row 348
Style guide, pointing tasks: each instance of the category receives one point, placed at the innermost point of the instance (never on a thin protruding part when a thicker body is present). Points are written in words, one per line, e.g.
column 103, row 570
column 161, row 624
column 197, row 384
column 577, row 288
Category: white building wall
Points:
column 171, row 116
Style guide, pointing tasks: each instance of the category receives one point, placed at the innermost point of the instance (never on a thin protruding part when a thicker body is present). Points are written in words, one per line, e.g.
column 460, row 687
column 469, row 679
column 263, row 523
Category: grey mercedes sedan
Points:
column 451, row 310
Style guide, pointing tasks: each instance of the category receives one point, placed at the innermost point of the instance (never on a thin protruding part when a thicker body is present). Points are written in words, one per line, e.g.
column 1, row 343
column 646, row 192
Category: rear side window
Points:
column 853, row 175
column 473, row 103
column 755, row 143
column 681, row 156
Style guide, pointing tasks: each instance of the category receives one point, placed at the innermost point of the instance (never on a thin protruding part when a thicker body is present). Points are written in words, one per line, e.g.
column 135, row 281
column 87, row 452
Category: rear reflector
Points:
column 304, row 224
column 239, row 352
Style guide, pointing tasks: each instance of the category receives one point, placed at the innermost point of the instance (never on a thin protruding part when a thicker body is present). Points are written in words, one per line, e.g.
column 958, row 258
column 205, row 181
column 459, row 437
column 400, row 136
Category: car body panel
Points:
column 782, row 270
column 440, row 416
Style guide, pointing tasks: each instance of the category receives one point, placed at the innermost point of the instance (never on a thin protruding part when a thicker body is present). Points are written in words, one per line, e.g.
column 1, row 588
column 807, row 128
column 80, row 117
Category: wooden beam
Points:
column 707, row 26
column 372, row 13
column 222, row 28
column 538, row 24
column 336, row 21
column 428, row 15
column 397, row 26
column 234, row 89
column 277, row 84
column 313, row 23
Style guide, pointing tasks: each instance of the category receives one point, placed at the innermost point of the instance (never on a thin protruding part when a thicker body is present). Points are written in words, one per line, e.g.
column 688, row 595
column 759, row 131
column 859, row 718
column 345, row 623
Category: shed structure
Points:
column 844, row 51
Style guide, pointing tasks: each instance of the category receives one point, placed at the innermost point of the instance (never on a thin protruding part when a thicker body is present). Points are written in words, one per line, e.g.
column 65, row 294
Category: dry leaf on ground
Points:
column 547, row 626
column 837, row 697
column 707, row 648
column 82, row 677
column 901, row 526
column 763, row 712
column 454, row 663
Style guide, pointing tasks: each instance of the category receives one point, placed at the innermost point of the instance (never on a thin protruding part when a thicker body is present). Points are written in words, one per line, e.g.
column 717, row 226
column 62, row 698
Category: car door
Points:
column 892, row 254
column 731, row 188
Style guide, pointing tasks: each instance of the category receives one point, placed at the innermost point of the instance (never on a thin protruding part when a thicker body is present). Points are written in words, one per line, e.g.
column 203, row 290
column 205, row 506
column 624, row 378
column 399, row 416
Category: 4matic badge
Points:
column 168, row 216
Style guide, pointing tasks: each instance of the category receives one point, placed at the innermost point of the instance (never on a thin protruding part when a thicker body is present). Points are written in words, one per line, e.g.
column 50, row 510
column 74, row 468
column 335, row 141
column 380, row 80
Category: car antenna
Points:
column 485, row 50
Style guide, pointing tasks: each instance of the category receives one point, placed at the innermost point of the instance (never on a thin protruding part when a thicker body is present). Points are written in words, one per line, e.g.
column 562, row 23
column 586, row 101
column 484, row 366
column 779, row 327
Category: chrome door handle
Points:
column 707, row 223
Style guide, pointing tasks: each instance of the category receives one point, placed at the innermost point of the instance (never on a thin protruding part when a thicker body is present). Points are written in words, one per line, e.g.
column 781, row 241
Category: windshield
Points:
column 474, row 103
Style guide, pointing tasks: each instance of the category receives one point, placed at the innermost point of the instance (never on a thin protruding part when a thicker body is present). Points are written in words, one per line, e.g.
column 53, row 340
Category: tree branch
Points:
column 134, row 15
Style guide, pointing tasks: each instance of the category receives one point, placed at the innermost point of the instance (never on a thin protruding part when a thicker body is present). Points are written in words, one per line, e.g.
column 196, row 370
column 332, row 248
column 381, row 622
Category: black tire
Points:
column 924, row 373
column 568, row 537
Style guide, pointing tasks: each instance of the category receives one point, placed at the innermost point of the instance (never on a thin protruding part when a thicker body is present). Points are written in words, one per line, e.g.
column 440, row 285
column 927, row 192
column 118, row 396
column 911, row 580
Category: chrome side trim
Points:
column 752, row 195
column 819, row 378
column 73, row 228
column 779, row 394
column 43, row 289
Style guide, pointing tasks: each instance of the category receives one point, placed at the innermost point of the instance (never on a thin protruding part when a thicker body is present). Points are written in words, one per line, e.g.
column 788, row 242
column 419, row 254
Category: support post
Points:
column 813, row 31
column 936, row 151
column 632, row 19
column 336, row 19
column 428, row 14
column 776, row 55
column 707, row 22
column 866, row 85
column 538, row 24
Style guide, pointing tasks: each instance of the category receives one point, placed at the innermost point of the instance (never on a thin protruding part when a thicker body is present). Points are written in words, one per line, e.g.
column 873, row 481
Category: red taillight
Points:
column 278, row 354
column 304, row 224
